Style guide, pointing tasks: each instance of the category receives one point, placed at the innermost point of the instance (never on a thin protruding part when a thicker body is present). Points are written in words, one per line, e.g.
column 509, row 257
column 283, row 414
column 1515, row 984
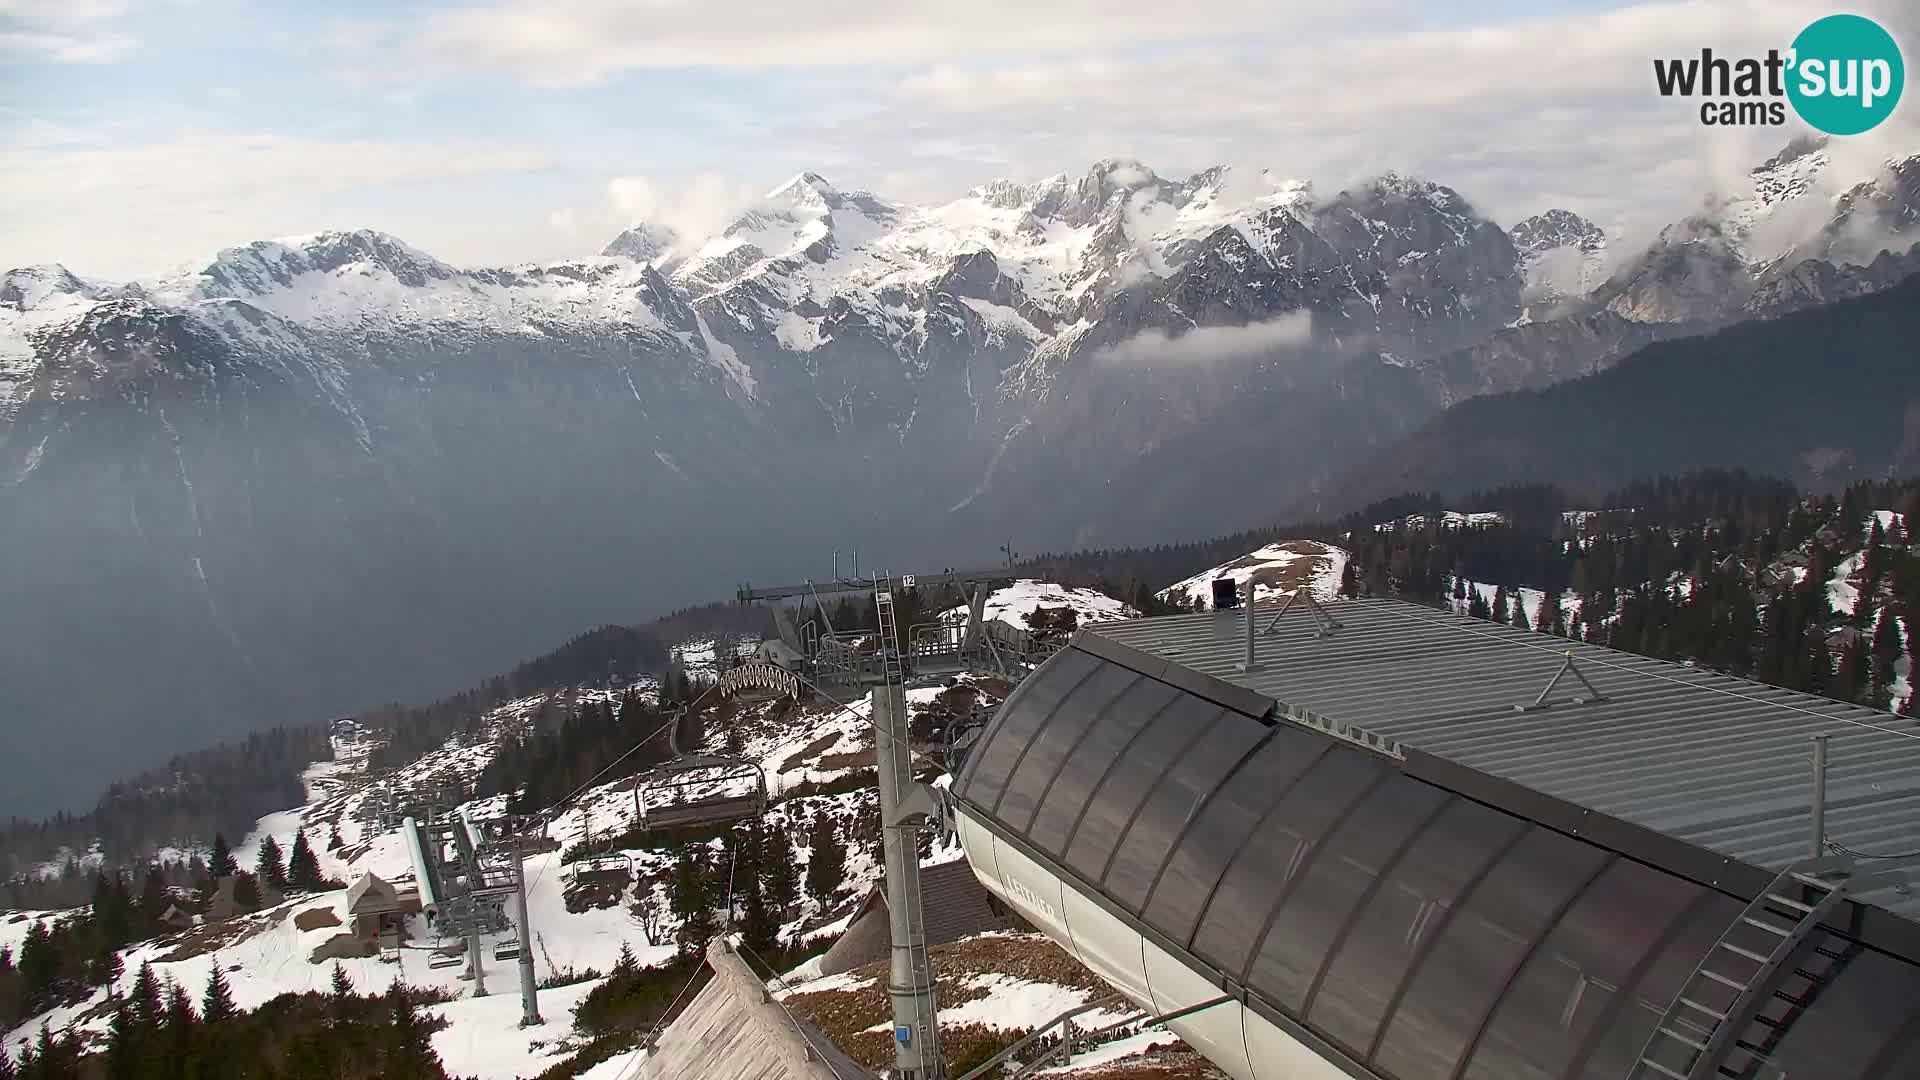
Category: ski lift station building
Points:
column 1409, row 845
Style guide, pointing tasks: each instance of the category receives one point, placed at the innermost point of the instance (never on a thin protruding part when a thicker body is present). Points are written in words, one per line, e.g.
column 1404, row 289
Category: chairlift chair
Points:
column 671, row 797
column 507, row 950
column 441, row 960
column 614, row 868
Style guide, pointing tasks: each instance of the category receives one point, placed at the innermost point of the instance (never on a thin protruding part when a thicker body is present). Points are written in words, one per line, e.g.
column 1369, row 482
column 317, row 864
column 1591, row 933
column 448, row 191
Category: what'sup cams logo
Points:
column 1843, row 75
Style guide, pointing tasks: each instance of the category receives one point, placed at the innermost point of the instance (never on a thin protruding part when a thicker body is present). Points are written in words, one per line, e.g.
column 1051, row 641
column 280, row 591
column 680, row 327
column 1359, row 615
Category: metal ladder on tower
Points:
column 892, row 672
column 1737, row 977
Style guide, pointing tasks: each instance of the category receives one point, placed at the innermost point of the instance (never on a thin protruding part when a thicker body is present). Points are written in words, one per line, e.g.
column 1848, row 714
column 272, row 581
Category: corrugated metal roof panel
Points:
column 1719, row 762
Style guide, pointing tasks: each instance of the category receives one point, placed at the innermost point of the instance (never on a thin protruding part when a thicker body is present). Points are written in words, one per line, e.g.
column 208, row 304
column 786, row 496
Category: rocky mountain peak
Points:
column 1207, row 179
column 1556, row 228
column 644, row 242
column 1882, row 214
column 807, row 188
column 1562, row 255
column 1797, row 148
column 1002, row 193
column 266, row 265
column 31, row 286
column 1108, row 182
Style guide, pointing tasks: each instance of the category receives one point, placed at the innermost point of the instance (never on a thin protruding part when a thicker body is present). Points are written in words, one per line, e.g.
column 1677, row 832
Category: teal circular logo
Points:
column 1846, row 74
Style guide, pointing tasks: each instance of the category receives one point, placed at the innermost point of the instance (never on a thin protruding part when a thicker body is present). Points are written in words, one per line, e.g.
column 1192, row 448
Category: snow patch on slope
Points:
column 1013, row 603
column 1276, row 570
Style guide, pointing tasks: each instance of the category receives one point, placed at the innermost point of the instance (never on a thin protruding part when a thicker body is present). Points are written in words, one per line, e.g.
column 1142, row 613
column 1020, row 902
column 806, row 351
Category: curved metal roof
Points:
column 1425, row 918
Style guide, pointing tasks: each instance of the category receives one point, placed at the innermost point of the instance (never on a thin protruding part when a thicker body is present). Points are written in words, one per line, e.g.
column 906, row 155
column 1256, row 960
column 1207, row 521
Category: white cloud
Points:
column 1209, row 344
column 64, row 31
column 920, row 102
column 1561, row 103
column 694, row 208
column 123, row 210
column 586, row 41
column 699, row 206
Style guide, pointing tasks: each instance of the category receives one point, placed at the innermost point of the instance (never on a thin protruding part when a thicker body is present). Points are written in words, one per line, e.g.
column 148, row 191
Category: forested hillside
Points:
column 1822, row 397
column 1814, row 594
column 1720, row 567
column 227, row 788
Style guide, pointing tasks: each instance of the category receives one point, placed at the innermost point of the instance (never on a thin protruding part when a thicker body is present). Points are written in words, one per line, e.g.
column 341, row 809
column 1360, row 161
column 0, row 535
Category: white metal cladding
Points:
column 1242, row 1043
column 1718, row 762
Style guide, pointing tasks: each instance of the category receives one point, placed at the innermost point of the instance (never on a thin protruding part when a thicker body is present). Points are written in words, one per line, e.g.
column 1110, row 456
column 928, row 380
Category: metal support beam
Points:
column 783, row 627
column 916, row 1044
column 1817, row 840
column 464, row 844
column 529, row 987
column 919, row 807
column 1567, row 667
column 1327, row 623
column 1249, row 662
column 748, row 595
column 976, row 619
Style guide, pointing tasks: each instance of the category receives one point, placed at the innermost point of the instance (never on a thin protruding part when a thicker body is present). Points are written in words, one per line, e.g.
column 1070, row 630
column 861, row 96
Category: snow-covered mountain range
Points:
column 336, row 453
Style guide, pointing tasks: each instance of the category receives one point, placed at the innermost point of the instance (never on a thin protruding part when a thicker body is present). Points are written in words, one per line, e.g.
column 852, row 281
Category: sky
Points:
column 142, row 135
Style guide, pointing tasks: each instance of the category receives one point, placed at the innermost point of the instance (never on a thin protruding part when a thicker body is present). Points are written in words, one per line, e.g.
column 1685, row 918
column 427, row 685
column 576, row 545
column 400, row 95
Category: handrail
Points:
column 1092, row 1038
column 988, row 1065
column 1146, row 1021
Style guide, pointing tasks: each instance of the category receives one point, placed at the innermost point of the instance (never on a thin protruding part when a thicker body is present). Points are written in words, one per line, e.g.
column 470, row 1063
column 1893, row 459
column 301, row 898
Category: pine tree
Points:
column 1819, row 664
column 626, row 963
column 246, row 892
column 1477, row 605
column 216, row 1005
column 39, row 965
column 181, row 1031
column 341, row 986
column 154, row 894
column 51, row 1057
column 1349, row 581
column 6, row 1064
column 145, row 997
column 409, row 1050
column 826, row 860
column 1520, row 611
column 220, row 864
column 58, row 1056
column 303, row 866
column 1500, row 614
column 333, row 837
column 782, row 875
column 268, row 869
column 1886, row 649
column 1855, row 672
column 690, row 900
column 1548, row 617
column 759, row 931
column 112, row 909
column 125, row 1044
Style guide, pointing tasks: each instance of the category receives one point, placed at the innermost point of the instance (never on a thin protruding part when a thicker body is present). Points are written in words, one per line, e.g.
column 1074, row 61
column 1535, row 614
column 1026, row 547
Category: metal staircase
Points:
column 1702, row 1033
